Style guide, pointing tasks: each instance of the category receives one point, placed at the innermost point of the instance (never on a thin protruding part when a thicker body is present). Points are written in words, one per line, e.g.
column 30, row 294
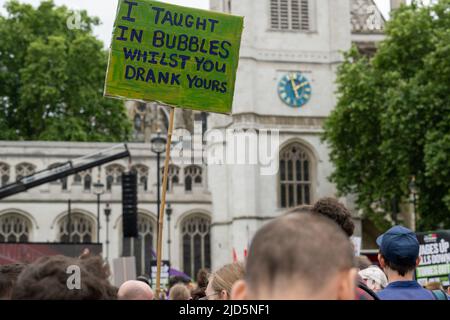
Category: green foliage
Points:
column 392, row 120
column 52, row 78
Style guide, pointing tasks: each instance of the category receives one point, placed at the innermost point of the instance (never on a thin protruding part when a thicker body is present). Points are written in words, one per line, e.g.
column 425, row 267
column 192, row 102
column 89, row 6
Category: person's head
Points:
column 179, row 292
column 8, row 277
column 202, row 278
column 363, row 262
column 64, row 278
column 144, row 279
column 221, row 282
column 298, row 257
column 135, row 290
column 96, row 265
column 399, row 253
column 336, row 211
column 202, row 282
column 174, row 280
column 434, row 286
column 299, row 210
column 374, row 278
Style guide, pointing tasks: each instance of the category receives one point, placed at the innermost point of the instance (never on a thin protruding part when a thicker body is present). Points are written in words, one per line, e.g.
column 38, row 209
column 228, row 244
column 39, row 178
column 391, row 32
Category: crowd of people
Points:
column 305, row 254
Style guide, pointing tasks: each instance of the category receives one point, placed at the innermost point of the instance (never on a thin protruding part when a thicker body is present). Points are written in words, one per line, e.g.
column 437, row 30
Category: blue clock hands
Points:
column 294, row 86
column 294, row 90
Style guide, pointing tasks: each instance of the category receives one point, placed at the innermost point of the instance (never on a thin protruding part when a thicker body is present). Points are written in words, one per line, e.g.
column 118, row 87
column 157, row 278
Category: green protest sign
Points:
column 174, row 55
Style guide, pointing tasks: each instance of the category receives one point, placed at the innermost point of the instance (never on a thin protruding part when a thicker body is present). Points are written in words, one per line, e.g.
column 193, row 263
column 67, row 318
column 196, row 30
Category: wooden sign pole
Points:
column 163, row 204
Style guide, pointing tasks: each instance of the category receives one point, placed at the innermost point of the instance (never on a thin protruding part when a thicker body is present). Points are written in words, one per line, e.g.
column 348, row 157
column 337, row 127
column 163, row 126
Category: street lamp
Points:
column 99, row 189
column 158, row 146
column 413, row 192
column 107, row 211
column 169, row 241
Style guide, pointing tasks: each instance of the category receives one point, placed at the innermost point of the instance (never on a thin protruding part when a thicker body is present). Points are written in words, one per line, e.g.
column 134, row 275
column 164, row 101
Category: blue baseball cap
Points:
column 399, row 245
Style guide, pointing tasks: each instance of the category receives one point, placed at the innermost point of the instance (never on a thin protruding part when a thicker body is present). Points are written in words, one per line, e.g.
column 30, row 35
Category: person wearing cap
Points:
column 374, row 278
column 399, row 257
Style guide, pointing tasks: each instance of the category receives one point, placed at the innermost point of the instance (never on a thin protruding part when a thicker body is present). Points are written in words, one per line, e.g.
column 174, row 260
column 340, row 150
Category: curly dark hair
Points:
column 401, row 269
column 8, row 277
column 202, row 278
column 336, row 211
column 202, row 283
column 47, row 278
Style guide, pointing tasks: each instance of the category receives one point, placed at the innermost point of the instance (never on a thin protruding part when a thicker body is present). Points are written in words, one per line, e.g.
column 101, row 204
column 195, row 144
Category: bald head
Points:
column 135, row 290
column 298, row 257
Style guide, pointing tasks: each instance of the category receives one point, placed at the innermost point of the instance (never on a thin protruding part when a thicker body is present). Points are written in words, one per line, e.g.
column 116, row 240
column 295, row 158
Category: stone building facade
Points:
column 216, row 207
column 41, row 214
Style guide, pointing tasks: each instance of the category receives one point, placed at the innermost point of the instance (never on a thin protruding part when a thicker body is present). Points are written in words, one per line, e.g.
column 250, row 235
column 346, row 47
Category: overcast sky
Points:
column 106, row 10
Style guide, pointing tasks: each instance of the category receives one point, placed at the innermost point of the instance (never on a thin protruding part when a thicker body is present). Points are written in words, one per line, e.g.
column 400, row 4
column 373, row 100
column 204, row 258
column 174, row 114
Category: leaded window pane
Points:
column 77, row 178
column 207, row 251
column 173, row 176
column 192, row 176
column 114, row 175
column 24, row 170
column 295, row 176
column 4, row 173
column 64, row 183
column 14, row 228
column 196, row 244
column 198, row 251
column 188, row 183
column 143, row 245
column 187, row 260
column 80, row 229
column 87, row 183
column 142, row 175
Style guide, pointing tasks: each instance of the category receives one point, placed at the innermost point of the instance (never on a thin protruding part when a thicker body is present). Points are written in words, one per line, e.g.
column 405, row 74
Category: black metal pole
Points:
column 107, row 238
column 98, row 218
column 168, row 235
column 69, row 219
column 415, row 211
column 158, row 174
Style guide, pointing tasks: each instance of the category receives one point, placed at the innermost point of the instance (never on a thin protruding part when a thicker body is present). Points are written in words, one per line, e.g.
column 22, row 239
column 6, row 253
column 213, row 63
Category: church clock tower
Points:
column 286, row 81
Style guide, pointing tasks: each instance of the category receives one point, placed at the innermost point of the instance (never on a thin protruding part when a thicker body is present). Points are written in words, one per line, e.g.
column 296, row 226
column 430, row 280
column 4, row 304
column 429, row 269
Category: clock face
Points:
column 294, row 89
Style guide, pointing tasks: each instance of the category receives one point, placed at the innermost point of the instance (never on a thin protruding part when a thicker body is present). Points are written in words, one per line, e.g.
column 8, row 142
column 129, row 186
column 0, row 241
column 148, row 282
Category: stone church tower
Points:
column 286, row 81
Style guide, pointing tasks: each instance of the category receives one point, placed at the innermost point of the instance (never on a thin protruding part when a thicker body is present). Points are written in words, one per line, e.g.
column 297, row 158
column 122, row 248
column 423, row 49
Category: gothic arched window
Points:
column 290, row 15
column 142, row 175
column 196, row 249
column 84, row 178
column 24, row 170
column 192, row 176
column 14, row 227
column 81, row 229
column 295, row 176
column 4, row 174
column 173, row 176
column 87, row 182
column 114, row 175
column 143, row 245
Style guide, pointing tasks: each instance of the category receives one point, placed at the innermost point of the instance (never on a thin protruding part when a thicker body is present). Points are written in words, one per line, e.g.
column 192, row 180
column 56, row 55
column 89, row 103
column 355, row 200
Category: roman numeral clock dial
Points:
column 294, row 90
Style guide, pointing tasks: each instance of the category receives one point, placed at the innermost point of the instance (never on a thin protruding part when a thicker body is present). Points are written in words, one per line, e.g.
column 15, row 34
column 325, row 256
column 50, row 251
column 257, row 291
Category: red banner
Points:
column 28, row 252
